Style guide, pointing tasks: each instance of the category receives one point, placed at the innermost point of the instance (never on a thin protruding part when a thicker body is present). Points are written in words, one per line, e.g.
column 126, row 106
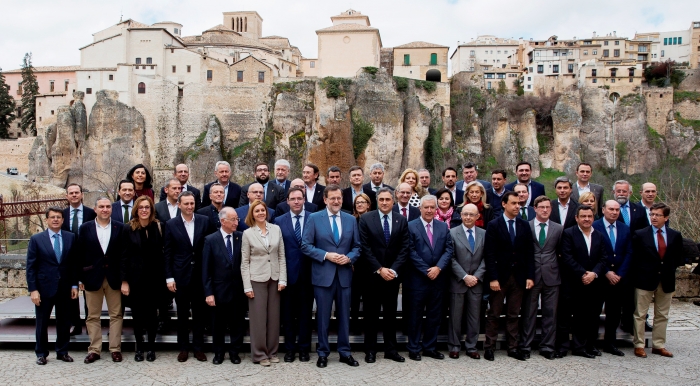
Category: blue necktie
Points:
column 297, row 229
column 625, row 214
column 387, row 234
column 57, row 247
column 511, row 230
column 612, row 236
column 229, row 248
column 336, row 232
column 471, row 240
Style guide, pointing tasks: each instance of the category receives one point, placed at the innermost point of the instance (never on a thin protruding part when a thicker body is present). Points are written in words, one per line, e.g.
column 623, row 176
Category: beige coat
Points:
column 260, row 263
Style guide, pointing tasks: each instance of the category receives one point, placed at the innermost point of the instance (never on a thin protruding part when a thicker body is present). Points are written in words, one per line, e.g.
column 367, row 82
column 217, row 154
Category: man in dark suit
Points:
column 314, row 190
column 583, row 184
column 273, row 194
column 376, row 175
column 216, row 196
column 182, row 174
column 282, row 167
column 184, row 240
column 52, row 282
column 449, row 178
column 629, row 212
column 255, row 192
column 385, row 248
column 546, row 236
column 102, row 272
column 424, row 180
column 356, row 188
column 618, row 243
column 167, row 208
column 121, row 210
column 403, row 194
column 523, row 170
column 425, row 283
column 466, row 282
column 232, row 192
column 73, row 217
column 584, row 254
column 493, row 195
column 510, row 269
column 526, row 212
column 283, row 207
column 563, row 208
column 469, row 174
column 332, row 241
column 657, row 252
column 223, row 285
column 641, row 216
column 298, row 298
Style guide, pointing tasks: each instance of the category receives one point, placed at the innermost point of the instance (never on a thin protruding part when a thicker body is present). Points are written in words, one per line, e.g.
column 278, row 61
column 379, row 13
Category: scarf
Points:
column 480, row 221
column 445, row 216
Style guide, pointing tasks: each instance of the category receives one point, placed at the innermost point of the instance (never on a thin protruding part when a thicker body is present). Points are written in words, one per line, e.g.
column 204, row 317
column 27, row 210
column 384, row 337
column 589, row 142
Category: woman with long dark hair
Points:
column 143, row 182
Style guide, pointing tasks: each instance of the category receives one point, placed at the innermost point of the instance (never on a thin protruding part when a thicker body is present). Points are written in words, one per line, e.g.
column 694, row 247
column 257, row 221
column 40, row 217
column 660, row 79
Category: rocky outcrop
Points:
column 566, row 126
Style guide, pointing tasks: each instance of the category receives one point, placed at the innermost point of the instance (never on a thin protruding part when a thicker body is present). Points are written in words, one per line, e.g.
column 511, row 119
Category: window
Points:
column 540, row 69
column 555, row 69
column 433, row 59
column 680, row 40
column 149, row 60
column 51, row 86
column 261, row 76
column 606, row 53
column 594, row 72
column 595, row 52
column 65, row 85
column 605, row 43
column 613, row 72
column 571, row 68
column 529, row 86
column 612, row 80
column 176, row 31
column 617, row 42
column 180, row 92
column 19, row 88
column 696, row 25
column 209, row 75
column 111, row 77
column 407, row 60
column 239, row 76
column 631, row 71
column 488, row 85
column 631, row 80
column 88, row 90
column 472, row 53
column 174, row 67
column 189, row 68
column 312, row 64
column 643, row 49
column 662, row 53
column 138, row 60
column 530, row 69
column 595, row 80
column 616, row 53
column 529, row 78
column 142, row 88
column 556, row 53
column 500, row 76
column 51, row 112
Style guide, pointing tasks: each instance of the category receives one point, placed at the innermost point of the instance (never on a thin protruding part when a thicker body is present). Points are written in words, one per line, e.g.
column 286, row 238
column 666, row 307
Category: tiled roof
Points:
column 46, row 69
column 421, row 45
column 347, row 27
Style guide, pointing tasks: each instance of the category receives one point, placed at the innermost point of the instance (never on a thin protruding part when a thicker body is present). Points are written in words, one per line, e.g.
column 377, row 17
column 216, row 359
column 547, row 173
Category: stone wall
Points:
column 13, row 279
column 14, row 154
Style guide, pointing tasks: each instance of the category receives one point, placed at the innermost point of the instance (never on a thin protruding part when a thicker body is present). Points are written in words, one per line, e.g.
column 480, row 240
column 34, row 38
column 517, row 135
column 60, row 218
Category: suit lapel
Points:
column 222, row 248
column 649, row 240
column 67, row 242
column 425, row 234
column 462, row 238
column 49, row 245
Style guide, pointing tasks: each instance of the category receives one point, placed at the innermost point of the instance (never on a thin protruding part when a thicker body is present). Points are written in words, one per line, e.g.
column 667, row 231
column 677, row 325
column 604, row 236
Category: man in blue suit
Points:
column 523, row 171
column 618, row 242
column 51, row 281
column 425, row 283
column 332, row 241
column 298, row 297
column 255, row 192
column 283, row 207
column 121, row 210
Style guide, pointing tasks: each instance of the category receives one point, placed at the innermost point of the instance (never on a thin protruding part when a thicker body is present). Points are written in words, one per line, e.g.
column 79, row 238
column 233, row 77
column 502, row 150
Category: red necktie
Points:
column 661, row 242
column 404, row 212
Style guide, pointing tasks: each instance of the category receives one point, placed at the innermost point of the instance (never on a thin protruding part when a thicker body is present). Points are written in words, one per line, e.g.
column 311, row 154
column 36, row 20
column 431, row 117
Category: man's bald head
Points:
column 611, row 211
column 297, row 182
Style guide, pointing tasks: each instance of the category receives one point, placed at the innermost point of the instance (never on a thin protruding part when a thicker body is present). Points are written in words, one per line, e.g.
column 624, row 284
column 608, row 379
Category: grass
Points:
column 680, row 96
column 335, row 87
column 238, row 150
column 546, row 178
column 654, row 137
column 694, row 123
column 426, row 85
column 630, row 100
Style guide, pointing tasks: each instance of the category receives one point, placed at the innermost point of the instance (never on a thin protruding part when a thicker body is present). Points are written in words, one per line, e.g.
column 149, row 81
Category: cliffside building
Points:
column 682, row 46
column 485, row 52
column 421, row 60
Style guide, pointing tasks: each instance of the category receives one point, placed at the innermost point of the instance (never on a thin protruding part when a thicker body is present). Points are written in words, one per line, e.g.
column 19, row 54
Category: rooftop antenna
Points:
column 121, row 15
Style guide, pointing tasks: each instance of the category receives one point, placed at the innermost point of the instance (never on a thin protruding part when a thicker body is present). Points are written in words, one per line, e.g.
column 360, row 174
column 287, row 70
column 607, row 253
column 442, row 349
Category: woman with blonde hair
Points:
column 588, row 198
column 264, row 274
column 410, row 176
column 474, row 193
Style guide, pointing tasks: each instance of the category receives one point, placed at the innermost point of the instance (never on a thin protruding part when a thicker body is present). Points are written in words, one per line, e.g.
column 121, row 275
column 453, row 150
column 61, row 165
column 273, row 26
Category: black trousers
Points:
column 144, row 310
column 428, row 301
column 62, row 302
column 512, row 293
column 564, row 312
column 232, row 316
column 588, row 303
column 614, row 297
column 190, row 297
column 75, row 311
column 357, row 297
column 381, row 294
column 296, row 308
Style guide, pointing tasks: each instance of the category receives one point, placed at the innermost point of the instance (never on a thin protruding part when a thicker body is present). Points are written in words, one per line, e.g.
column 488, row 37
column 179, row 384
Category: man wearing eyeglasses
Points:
column 273, row 193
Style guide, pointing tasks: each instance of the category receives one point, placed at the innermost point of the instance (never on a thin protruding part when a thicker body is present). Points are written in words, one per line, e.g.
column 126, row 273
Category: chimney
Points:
column 594, row 34
column 615, row 33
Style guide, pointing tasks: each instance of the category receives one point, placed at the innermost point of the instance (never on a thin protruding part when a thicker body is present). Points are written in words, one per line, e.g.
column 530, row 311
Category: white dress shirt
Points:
column 508, row 226
column 425, row 224
column 172, row 208
column 80, row 210
column 583, row 189
column 408, row 211
column 130, row 204
column 189, row 227
column 538, row 227
column 310, row 193
column 587, row 238
column 337, row 221
column 104, row 234
column 563, row 210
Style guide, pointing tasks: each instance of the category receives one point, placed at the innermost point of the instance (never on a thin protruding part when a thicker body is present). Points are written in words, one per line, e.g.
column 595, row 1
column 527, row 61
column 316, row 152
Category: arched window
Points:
column 142, row 88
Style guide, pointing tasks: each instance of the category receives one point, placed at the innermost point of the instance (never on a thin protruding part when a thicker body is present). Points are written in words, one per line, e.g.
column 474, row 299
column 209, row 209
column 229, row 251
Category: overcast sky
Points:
column 54, row 30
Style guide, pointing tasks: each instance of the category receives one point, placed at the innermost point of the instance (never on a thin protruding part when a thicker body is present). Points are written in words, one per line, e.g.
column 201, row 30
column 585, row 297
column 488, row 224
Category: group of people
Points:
column 272, row 248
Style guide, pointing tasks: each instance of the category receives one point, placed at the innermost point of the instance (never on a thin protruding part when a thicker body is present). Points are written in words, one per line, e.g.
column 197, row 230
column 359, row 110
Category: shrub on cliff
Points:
column 335, row 87
column 7, row 108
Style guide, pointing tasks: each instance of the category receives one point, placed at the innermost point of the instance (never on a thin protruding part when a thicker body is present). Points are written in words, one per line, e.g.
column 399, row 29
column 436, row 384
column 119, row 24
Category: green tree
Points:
column 502, row 88
column 7, row 108
column 30, row 89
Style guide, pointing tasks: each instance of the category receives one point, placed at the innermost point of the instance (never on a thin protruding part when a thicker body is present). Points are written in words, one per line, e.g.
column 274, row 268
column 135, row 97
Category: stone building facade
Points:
column 421, row 60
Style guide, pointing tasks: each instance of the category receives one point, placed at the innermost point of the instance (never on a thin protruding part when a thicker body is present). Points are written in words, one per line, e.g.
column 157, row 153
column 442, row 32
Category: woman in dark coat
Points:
column 474, row 193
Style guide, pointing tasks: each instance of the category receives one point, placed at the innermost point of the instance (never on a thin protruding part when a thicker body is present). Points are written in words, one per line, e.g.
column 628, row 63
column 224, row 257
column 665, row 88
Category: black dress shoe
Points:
column 138, row 356
column 349, row 360
column 414, row 356
column 235, row 359
column 322, row 362
column 151, row 356
column 218, row 359
column 610, row 349
column 582, row 353
column 41, row 361
column 304, row 356
column 76, row 330
column 526, row 354
column 289, row 357
column 594, row 351
column 433, row 354
column 562, row 353
column 516, row 354
column 488, row 355
column 549, row 354
column 64, row 358
column 394, row 356
column 697, row 302
column 370, row 357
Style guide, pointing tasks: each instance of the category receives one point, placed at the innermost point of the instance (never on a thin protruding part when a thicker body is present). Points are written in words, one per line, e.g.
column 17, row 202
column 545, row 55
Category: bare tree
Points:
column 104, row 176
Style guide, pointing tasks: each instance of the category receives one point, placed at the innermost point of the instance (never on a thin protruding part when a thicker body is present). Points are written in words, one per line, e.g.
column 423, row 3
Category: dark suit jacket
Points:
column 287, row 185
column 190, row 188
column 530, row 213
column 494, row 201
column 242, row 212
column 118, row 211
column 213, row 216
column 638, row 217
column 298, row 264
column 44, row 273
column 162, row 212
column 570, row 213
column 459, row 197
column 221, row 277
column 273, row 196
column 318, row 197
column 348, row 203
column 504, row 258
column 620, row 258
column 183, row 261
column 376, row 252
column 283, row 208
column 145, row 268
column 88, row 215
column 424, row 256
column 232, row 199
column 466, row 261
column 95, row 264
column 413, row 212
column 648, row 269
column 597, row 191
column 578, row 260
column 369, row 186
column 547, row 257
column 536, row 190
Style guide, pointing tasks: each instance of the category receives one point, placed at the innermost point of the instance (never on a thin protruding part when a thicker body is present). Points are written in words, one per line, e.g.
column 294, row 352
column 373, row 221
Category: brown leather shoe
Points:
column 639, row 351
column 662, row 351
column 41, row 361
column 182, row 356
column 473, row 355
column 454, row 354
column 200, row 356
column 91, row 357
column 64, row 358
column 116, row 357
